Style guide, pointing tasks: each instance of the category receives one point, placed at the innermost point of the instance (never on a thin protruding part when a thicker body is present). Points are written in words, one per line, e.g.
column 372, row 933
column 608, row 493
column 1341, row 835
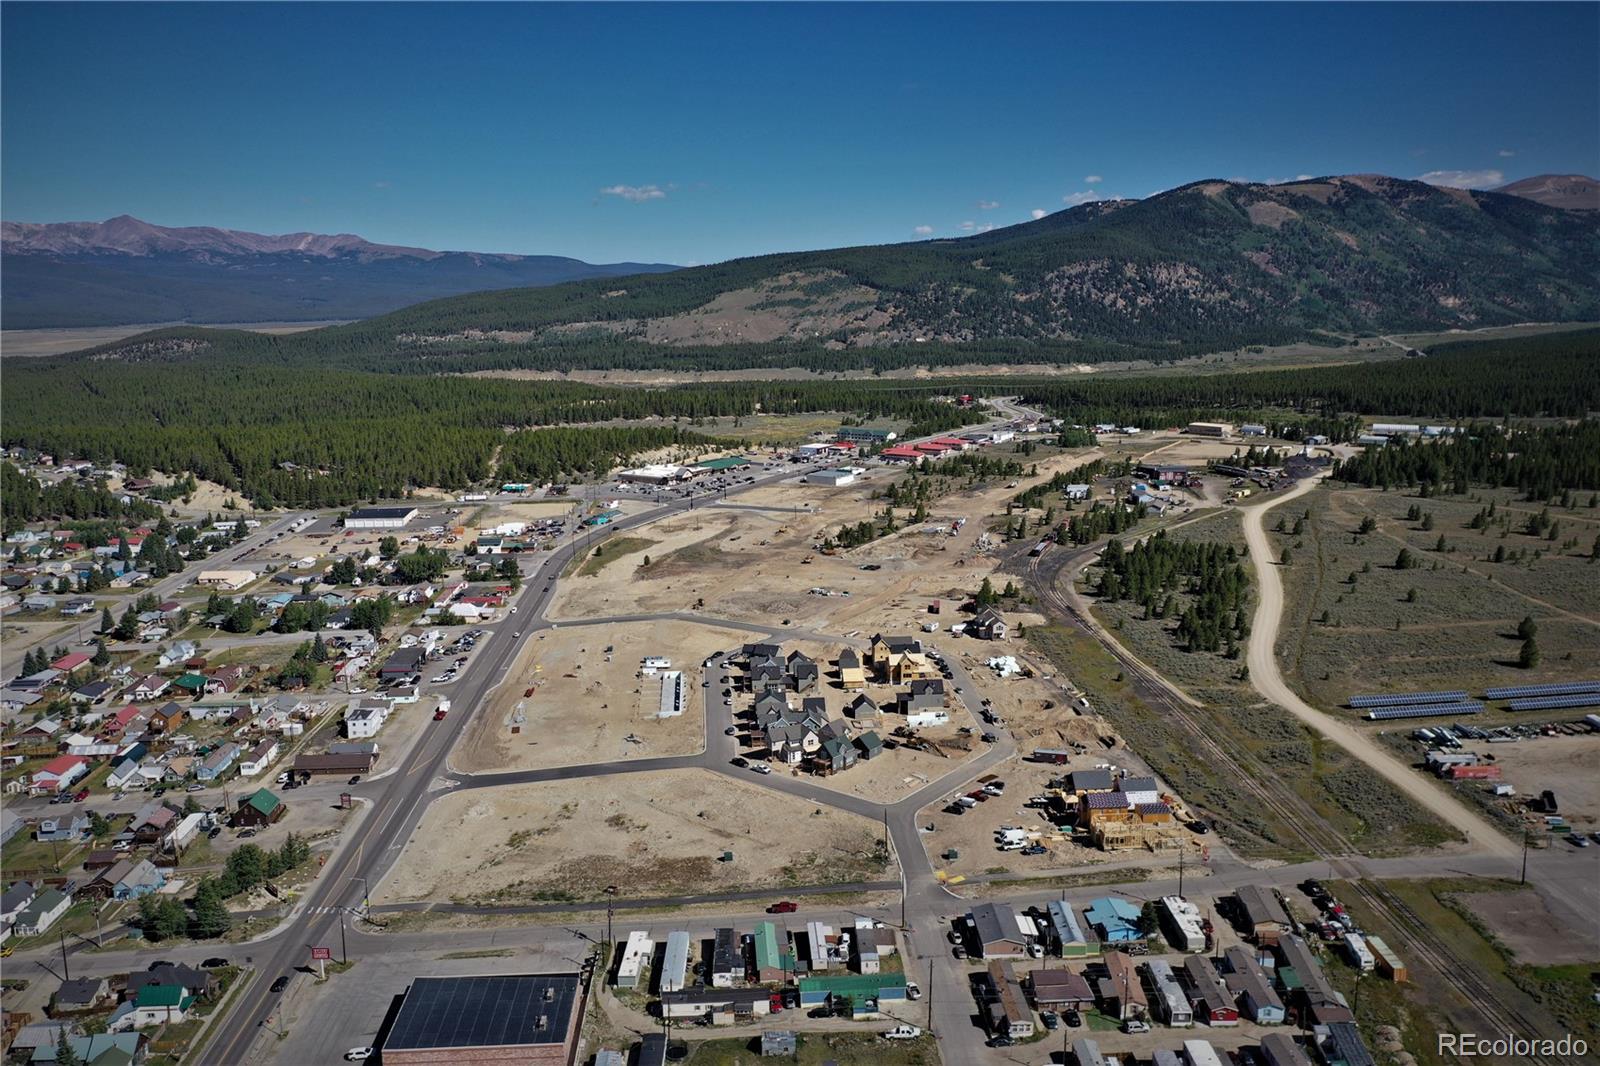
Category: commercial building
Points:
column 855, row 995
column 865, row 435
column 1210, row 429
column 527, row 1018
column 727, row 462
column 833, row 478
column 656, row 474
column 379, row 517
column 228, row 580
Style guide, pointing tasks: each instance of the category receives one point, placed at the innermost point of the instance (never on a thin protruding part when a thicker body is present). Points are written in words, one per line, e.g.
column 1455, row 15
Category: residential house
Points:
column 226, row 679
column 151, row 1005
column 61, row 830
column 1115, row 920
column 94, row 692
column 1261, row 916
column 1121, row 992
column 98, row 1049
column 15, row 899
column 862, row 709
column 78, row 605
column 148, row 688
column 260, row 808
column 259, row 759
column 128, row 879
column 192, row 683
column 151, row 822
column 792, row 735
column 88, row 747
column 217, row 763
column 987, row 624
column 923, row 695
column 59, row 774
column 71, row 663
column 195, row 982
column 41, row 913
column 1167, row 996
column 166, row 719
column 802, row 670
column 852, row 676
column 1251, row 989
column 1008, row 1010
column 1060, row 990
column 898, row 660
column 179, row 652
column 836, row 752
column 1209, row 996
column 123, row 774
column 997, row 932
column 79, row 994
column 767, row 675
column 10, row 825
column 363, row 722
column 870, row 744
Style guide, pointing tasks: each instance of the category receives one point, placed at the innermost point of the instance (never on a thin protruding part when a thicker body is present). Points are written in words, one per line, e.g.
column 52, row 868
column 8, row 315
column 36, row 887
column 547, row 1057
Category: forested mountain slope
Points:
column 1208, row 266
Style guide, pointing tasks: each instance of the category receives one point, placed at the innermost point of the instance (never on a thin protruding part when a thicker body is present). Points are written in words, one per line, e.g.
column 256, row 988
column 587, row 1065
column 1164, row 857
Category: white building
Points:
column 924, row 719
column 671, row 694
column 225, row 579
column 656, row 474
column 635, row 955
column 364, row 721
column 1184, row 926
column 834, row 478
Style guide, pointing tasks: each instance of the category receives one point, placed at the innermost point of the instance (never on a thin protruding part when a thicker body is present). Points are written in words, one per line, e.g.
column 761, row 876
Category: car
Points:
column 783, row 906
column 1134, row 1025
column 518, row 633
column 953, row 936
column 740, row 761
column 438, row 716
column 913, row 990
column 902, row 1032
column 959, row 951
column 1199, row 828
column 196, row 787
column 354, row 780
column 1073, row 1019
column 1034, row 849
column 1050, row 1020
column 1001, row 1041
column 706, row 683
column 359, row 1054
column 1578, row 840
column 761, row 768
column 1596, row 837
column 731, row 731
column 213, row 963
column 513, row 611
column 159, row 963
column 990, row 738
column 281, row 983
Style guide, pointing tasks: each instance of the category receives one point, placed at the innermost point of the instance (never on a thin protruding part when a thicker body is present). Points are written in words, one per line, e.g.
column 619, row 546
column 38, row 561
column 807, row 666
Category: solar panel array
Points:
column 1564, row 688
column 484, row 1011
column 1426, row 710
column 1406, row 698
column 1551, row 703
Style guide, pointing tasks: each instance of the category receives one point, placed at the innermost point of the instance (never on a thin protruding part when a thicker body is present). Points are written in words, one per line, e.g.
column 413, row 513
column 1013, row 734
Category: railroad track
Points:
column 1294, row 812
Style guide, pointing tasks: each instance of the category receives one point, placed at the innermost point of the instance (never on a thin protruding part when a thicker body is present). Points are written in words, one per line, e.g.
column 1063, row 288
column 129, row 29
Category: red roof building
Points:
column 68, row 663
column 901, row 451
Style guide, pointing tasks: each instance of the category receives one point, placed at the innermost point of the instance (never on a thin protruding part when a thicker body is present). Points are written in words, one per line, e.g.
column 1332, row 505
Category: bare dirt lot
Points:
column 1523, row 923
column 759, row 565
column 1565, row 765
column 588, row 702
column 659, row 833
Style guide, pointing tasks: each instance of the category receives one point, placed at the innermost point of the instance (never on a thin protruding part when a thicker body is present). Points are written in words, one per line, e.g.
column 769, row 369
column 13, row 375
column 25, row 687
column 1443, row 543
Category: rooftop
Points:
column 489, row 1010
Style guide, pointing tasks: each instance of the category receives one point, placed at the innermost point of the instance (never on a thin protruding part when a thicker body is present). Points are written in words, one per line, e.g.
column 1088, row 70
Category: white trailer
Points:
column 1360, row 955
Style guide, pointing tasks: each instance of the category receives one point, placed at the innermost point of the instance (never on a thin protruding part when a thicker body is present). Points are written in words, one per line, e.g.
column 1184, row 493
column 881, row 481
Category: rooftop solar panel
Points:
column 485, row 1011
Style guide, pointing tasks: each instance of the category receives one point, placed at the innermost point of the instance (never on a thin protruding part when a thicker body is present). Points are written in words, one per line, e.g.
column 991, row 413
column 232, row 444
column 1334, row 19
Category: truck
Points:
column 1056, row 756
column 902, row 1032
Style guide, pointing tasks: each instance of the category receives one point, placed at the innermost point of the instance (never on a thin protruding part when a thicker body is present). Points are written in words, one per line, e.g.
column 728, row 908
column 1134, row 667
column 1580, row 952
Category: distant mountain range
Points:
column 1572, row 192
column 123, row 270
column 1205, row 267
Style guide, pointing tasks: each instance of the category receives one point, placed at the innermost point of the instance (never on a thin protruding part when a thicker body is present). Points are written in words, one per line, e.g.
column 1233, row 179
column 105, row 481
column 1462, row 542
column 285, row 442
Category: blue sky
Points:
column 695, row 133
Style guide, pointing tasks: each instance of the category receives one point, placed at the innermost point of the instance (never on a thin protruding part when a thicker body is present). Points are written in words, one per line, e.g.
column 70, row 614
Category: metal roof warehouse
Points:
column 491, row 1018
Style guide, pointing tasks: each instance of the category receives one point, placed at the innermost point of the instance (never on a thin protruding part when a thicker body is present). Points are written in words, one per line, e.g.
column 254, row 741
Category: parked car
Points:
column 913, row 990
column 1134, row 1025
column 1072, row 1018
column 1050, row 1020
column 355, row 780
column 903, row 1032
column 361, row 1054
column 213, row 963
column 731, row 731
column 786, row 906
column 761, row 768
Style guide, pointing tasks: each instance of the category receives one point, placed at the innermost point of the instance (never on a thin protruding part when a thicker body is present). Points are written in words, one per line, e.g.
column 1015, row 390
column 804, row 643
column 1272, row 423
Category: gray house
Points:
column 802, row 671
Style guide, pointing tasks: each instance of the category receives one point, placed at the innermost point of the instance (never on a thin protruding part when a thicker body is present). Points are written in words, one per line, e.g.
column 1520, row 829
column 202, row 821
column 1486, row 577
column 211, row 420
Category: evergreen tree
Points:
column 1528, row 657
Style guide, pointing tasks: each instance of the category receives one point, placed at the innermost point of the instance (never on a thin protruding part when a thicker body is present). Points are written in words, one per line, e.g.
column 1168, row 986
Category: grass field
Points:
column 1558, row 998
column 774, row 429
column 814, row 1049
column 1353, row 799
column 606, row 551
column 1458, row 628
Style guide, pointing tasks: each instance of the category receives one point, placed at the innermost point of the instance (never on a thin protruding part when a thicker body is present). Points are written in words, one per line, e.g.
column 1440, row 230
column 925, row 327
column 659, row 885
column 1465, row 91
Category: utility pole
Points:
column 1180, row 871
column 344, row 951
column 66, row 969
column 1524, row 879
column 930, row 995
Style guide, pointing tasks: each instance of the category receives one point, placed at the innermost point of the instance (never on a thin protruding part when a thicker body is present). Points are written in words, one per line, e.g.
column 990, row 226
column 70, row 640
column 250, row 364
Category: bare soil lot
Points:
column 1526, row 927
column 1568, row 766
column 588, row 702
column 657, row 833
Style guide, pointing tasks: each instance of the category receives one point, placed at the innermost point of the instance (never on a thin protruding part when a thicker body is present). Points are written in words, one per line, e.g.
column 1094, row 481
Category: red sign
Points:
column 321, row 954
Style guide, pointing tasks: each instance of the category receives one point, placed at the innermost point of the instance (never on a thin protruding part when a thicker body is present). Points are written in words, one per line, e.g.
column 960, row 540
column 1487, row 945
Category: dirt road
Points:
column 1268, row 681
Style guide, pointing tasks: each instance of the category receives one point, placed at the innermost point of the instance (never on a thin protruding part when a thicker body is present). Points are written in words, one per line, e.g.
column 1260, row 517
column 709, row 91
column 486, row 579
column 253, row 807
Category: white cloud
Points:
column 1506, row 153
column 1302, row 177
column 637, row 194
column 1038, row 213
column 969, row 226
column 923, row 231
column 1093, row 179
column 988, row 205
column 1084, row 197
column 1464, row 179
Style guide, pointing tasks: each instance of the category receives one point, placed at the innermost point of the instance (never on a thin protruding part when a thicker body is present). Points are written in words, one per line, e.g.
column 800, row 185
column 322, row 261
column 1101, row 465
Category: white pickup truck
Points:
column 903, row 1032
